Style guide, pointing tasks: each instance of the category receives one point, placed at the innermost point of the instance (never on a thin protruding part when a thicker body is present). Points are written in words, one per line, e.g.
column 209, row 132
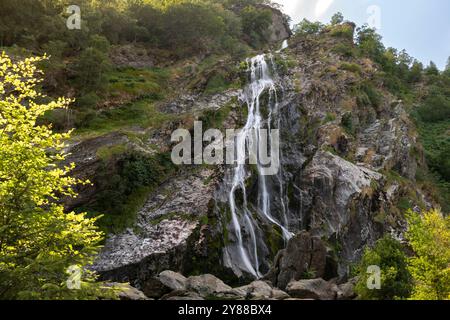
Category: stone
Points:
column 208, row 285
column 153, row 288
column 303, row 254
column 346, row 291
column 317, row 289
column 278, row 294
column 165, row 282
column 260, row 290
column 128, row 292
column 172, row 280
column 279, row 29
column 182, row 295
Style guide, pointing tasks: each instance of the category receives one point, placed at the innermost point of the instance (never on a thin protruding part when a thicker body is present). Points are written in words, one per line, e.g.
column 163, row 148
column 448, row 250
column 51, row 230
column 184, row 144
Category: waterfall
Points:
column 261, row 82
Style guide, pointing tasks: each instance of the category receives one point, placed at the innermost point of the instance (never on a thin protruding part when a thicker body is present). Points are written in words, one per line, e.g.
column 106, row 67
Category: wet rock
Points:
column 317, row 289
column 303, row 254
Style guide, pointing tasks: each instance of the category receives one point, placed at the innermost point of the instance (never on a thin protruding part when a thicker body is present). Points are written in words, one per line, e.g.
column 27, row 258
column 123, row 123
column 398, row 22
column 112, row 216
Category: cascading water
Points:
column 261, row 82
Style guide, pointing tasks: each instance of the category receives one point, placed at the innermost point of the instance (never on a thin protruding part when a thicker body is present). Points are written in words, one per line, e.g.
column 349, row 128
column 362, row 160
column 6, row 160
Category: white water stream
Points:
column 261, row 82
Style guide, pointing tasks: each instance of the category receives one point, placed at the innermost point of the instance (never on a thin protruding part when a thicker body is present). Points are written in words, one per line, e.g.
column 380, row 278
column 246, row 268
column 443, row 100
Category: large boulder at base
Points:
column 317, row 289
column 260, row 290
column 173, row 280
column 302, row 255
column 346, row 291
column 208, row 285
column 128, row 292
column 165, row 282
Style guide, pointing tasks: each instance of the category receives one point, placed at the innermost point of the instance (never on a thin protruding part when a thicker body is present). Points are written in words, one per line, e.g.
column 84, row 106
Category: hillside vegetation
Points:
column 135, row 71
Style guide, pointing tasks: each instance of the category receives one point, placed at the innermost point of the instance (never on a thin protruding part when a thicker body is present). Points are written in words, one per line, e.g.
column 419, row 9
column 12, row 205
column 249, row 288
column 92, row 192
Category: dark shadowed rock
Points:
column 346, row 291
column 303, row 254
column 164, row 283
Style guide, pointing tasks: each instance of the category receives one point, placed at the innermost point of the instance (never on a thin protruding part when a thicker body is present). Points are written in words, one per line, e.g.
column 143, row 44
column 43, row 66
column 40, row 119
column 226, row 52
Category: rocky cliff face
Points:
column 347, row 162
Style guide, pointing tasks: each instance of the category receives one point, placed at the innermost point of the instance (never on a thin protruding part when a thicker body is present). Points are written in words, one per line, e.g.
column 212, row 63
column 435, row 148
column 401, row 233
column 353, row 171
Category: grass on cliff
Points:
column 140, row 114
column 147, row 82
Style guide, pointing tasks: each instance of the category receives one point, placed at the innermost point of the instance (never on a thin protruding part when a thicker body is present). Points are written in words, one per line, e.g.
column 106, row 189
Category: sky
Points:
column 422, row 27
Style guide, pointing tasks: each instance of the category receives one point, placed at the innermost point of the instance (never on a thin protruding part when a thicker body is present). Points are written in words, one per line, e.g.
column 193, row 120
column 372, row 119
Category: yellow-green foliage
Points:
column 38, row 240
column 429, row 236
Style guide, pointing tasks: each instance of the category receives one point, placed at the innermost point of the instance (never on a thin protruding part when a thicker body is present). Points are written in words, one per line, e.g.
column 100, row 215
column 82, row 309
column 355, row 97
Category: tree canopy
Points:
column 39, row 241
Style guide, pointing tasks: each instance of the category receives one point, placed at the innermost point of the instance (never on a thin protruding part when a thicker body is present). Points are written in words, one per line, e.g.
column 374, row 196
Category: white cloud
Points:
column 322, row 6
column 309, row 9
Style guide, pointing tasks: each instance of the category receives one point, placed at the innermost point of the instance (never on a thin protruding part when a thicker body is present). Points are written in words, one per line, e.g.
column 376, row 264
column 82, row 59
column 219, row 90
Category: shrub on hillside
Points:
column 389, row 255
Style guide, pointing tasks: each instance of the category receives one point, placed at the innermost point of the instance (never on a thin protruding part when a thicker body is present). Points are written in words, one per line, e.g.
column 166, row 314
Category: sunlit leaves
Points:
column 429, row 236
column 38, row 239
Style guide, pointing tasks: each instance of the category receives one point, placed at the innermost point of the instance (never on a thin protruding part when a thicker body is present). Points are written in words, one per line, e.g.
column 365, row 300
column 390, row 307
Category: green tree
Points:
column 306, row 27
column 92, row 65
column 255, row 23
column 429, row 237
column 416, row 72
column 447, row 69
column 337, row 18
column 38, row 240
column 436, row 106
column 389, row 255
column 432, row 69
column 370, row 44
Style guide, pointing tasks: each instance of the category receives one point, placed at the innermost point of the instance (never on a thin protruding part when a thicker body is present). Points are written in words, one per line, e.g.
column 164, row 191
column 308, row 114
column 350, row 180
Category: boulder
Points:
column 317, row 289
column 260, row 290
column 208, row 285
column 165, row 282
column 172, row 280
column 128, row 292
column 346, row 291
column 278, row 294
column 303, row 254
